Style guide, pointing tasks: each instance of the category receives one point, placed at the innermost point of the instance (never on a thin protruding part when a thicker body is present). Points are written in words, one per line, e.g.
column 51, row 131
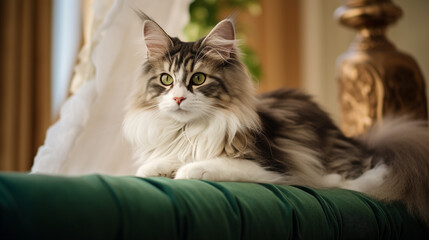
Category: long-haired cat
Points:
column 194, row 114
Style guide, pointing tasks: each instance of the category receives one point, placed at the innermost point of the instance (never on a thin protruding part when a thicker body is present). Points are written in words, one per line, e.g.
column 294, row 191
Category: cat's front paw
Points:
column 196, row 171
column 157, row 169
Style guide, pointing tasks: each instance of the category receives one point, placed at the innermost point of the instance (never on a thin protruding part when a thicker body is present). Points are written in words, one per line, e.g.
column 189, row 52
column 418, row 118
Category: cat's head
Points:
column 192, row 80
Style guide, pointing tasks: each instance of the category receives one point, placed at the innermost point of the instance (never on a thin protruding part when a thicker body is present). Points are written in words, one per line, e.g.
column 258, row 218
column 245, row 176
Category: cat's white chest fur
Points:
column 165, row 144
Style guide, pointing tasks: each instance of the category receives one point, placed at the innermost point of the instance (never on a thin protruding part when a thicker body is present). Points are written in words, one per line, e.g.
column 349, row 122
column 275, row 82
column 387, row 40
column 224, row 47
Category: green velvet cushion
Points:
column 106, row 207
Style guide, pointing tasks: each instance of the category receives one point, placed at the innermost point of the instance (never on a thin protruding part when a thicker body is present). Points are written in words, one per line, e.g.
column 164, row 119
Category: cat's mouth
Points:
column 180, row 110
column 183, row 115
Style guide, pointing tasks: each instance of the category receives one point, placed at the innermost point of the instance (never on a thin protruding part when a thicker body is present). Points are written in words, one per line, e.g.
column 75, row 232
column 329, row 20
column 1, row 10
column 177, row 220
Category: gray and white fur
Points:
column 194, row 113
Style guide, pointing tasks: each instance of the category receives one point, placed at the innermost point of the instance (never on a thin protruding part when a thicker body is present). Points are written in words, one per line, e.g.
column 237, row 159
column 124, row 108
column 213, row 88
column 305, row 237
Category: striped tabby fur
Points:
column 221, row 130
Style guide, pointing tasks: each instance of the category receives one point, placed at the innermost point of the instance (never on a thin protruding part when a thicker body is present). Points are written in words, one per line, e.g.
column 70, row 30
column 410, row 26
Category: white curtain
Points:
column 87, row 138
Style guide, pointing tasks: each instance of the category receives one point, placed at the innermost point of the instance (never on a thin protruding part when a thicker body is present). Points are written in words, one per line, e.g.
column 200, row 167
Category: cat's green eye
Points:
column 166, row 79
column 198, row 78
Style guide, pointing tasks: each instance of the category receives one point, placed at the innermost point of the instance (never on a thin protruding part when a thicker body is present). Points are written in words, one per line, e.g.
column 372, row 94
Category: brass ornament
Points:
column 376, row 80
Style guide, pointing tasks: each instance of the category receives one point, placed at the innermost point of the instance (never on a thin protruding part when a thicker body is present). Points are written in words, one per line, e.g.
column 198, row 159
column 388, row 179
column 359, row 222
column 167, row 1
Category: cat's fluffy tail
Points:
column 403, row 144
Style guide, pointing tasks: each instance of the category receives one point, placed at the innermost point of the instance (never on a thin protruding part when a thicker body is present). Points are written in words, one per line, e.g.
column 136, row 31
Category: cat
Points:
column 194, row 114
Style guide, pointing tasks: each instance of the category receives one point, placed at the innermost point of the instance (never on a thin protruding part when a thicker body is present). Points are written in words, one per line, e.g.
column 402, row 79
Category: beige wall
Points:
column 323, row 41
column 411, row 33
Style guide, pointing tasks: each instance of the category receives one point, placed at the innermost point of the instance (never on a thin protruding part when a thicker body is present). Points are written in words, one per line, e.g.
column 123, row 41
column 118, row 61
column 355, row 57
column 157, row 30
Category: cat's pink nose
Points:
column 178, row 100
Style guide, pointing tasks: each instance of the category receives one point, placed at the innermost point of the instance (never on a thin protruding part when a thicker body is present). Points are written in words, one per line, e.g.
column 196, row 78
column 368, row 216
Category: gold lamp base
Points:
column 376, row 80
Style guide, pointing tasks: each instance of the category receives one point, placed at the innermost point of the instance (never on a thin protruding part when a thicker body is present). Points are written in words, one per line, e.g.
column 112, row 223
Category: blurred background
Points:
column 287, row 43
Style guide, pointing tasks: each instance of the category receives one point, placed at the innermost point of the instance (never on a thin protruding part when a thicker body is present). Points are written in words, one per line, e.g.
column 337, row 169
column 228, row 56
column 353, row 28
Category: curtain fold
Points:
column 87, row 138
column 24, row 81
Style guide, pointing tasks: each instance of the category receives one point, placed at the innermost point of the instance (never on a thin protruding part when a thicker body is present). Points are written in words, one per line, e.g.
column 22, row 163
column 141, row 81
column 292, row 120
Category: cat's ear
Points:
column 157, row 41
column 221, row 40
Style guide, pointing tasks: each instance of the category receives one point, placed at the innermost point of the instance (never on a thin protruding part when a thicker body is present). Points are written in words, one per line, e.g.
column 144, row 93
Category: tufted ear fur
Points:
column 220, row 41
column 157, row 41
